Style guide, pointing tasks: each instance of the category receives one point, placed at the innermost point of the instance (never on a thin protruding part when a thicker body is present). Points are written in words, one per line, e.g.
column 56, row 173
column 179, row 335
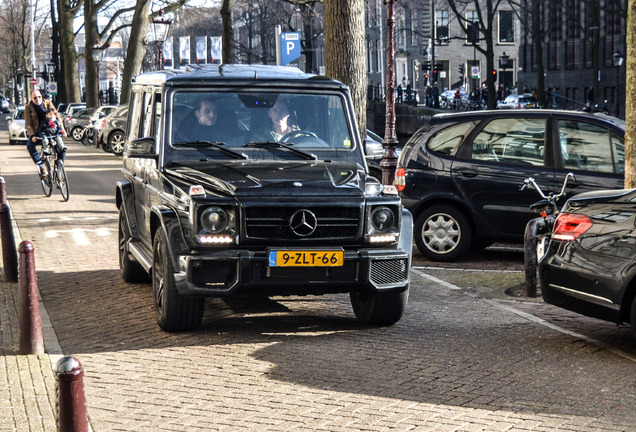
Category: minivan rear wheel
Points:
column 443, row 233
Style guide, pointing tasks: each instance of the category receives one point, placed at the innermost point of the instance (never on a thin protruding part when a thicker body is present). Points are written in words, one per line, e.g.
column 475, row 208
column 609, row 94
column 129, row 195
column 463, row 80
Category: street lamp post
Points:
column 389, row 158
column 98, row 51
column 503, row 63
column 160, row 27
column 618, row 62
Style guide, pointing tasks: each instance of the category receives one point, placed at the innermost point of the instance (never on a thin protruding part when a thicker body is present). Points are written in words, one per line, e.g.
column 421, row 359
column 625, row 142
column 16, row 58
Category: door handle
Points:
column 469, row 173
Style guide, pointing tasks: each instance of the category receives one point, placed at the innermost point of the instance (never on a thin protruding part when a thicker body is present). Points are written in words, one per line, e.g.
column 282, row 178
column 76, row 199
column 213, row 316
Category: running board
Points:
column 137, row 250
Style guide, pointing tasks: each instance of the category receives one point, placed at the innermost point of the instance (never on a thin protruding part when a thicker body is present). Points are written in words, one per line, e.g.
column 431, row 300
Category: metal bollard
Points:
column 3, row 191
column 71, row 401
column 31, row 339
column 9, row 253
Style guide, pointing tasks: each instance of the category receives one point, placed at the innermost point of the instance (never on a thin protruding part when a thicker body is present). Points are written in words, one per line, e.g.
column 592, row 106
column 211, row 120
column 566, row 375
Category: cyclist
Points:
column 34, row 114
column 50, row 130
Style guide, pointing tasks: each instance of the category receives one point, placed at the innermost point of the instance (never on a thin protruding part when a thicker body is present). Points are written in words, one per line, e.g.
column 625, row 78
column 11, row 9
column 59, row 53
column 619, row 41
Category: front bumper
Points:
column 224, row 273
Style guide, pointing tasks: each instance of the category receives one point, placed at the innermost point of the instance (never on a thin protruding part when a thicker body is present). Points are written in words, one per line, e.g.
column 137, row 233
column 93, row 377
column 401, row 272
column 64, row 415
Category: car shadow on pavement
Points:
column 485, row 361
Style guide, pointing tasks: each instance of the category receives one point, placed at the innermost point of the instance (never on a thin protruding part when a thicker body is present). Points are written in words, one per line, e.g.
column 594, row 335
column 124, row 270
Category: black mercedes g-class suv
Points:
column 251, row 180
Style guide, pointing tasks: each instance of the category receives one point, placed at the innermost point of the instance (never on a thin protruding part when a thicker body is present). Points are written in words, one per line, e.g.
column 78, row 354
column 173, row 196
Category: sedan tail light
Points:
column 400, row 179
column 569, row 226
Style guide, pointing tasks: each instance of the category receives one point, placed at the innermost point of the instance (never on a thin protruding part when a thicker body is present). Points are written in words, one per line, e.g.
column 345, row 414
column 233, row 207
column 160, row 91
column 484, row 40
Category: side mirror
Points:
column 142, row 148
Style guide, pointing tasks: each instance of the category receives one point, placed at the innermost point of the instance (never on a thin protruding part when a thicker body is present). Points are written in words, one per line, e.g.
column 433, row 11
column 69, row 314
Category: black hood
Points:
column 269, row 178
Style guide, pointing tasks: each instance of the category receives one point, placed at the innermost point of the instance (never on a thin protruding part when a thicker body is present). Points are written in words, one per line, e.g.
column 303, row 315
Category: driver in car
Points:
column 280, row 116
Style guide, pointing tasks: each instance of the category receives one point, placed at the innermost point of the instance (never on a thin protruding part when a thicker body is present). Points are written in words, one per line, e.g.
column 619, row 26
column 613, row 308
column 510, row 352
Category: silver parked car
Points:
column 17, row 131
column 112, row 130
column 519, row 101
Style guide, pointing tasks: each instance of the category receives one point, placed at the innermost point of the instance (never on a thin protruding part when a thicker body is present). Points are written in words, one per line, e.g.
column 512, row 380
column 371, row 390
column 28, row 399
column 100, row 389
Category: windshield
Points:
column 259, row 125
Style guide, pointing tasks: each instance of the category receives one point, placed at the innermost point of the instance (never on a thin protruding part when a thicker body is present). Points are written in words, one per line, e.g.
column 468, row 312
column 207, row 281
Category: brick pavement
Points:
column 27, row 382
column 455, row 362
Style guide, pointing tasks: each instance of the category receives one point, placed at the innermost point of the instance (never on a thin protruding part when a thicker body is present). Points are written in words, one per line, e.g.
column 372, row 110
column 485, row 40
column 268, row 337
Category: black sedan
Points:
column 590, row 265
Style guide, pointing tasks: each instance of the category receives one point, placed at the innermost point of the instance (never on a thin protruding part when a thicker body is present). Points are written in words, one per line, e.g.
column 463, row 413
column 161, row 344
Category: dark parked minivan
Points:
column 460, row 174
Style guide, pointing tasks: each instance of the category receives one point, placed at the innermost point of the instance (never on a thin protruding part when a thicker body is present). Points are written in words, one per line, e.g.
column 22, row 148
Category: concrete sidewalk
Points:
column 27, row 382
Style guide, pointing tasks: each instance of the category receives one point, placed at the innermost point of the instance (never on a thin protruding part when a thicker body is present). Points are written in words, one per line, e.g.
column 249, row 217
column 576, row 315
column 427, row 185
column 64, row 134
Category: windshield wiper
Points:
column 211, row 144
column 277, row 145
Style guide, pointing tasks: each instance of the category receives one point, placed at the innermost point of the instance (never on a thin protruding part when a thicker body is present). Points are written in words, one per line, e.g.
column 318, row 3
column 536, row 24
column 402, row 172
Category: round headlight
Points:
column 382, row 219
column 214, row 219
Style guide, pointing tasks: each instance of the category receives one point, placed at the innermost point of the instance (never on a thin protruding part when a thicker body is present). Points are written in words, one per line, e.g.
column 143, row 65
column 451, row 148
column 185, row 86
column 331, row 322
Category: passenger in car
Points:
column 209, row 123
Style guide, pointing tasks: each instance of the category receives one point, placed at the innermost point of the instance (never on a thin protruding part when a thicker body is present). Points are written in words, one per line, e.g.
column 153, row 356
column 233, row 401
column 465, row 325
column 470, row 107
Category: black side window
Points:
column 447, row 141
column 589, row 147
column 514, row 141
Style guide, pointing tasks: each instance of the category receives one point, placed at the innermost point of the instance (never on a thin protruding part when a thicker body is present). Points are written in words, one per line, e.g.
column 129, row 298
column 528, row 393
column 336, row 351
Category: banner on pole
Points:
column 201, row 43
column 216, row 49
column 168, row 58
column 184, row 50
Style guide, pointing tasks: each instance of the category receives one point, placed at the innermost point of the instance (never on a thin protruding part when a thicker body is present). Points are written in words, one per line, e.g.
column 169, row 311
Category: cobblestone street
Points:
column 465, row 357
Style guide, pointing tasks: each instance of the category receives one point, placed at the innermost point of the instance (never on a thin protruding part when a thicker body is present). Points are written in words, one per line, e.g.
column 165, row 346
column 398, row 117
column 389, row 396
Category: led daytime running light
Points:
column 209, row 239
column 388, row 238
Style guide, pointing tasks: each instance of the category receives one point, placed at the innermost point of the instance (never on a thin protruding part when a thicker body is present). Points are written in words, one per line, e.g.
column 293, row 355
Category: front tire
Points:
column 443, row 233
column 77, row 133
column 378, row 308
column 116, row 142
column 61, row 180
column 173, row 311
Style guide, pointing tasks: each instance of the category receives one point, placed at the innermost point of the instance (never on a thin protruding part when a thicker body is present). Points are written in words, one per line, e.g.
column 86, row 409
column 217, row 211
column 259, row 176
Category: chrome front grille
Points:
column 274, row 223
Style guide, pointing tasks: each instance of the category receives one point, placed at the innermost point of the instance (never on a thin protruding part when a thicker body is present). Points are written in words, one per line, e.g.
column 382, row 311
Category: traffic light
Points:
column 494, row 75
column 461, row 72
column 435, row 75
column 426, row 77
column 426, row 66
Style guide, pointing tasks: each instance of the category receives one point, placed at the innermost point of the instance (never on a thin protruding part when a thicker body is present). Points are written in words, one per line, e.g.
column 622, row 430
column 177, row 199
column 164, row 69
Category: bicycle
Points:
column 55, row 176
column 539, row 230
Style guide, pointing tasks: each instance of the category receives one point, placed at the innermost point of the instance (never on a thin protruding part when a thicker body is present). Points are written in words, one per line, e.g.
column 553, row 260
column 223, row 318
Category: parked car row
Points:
column 461, row 176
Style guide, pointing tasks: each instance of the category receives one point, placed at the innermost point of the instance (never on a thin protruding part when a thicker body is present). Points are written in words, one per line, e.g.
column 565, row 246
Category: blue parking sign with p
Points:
column 289, row 47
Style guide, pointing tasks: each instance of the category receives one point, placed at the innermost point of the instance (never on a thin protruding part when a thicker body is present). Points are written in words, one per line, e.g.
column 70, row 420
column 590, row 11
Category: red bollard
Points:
column 9, row 254
column 71, row 402
column 31, row 340
column 3, row 191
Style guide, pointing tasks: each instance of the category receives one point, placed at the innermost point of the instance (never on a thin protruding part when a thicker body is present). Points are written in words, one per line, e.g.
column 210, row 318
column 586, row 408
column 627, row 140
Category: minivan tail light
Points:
column 570, row 226
column 400, row 179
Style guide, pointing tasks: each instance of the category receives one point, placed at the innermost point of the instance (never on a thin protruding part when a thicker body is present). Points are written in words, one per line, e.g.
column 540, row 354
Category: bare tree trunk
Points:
column 136, row 47
column 90, row 30
column 345, row 51
column 228, row 31
column 538, row 48
column 630, row 102
column 69, row 55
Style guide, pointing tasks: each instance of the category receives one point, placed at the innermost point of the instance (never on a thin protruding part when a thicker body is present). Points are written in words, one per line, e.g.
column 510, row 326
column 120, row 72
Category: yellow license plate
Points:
column 293, row 258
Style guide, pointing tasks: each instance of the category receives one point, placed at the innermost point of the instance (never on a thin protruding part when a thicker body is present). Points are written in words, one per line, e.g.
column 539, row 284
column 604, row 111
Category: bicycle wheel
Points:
column 61, row 180
column 47, row 180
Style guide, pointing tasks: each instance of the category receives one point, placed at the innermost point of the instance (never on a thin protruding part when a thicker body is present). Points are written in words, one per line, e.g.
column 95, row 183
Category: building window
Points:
column 400, row 28
column 472, row 26
column 441, row 25
column 378, row 53
column 506, row 27
column 369, row 56
column 414, row 36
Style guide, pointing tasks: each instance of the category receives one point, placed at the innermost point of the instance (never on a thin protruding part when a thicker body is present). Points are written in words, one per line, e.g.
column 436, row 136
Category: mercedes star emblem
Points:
column 303, row 223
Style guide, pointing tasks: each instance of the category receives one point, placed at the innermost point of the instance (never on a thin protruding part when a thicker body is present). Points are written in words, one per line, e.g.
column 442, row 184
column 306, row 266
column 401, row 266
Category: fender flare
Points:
column 124, row 198
column 406, row 234
column 166, row 219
